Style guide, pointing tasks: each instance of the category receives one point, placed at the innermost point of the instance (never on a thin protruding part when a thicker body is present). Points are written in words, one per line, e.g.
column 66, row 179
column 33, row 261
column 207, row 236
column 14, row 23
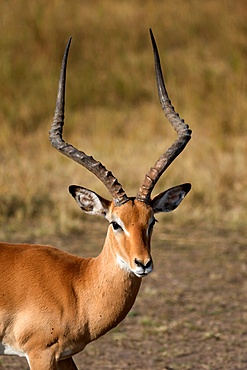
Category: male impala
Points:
column 52, row 304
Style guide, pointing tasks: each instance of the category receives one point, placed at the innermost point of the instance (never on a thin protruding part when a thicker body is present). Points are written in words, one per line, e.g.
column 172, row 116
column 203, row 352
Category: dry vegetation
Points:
column 112, row 106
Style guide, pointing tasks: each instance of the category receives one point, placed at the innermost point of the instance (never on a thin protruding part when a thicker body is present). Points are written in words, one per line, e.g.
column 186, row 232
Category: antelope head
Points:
column 131, row 218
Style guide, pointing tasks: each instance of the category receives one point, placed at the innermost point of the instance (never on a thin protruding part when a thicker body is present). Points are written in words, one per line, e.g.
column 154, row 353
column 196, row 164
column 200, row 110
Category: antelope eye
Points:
column 116, row 226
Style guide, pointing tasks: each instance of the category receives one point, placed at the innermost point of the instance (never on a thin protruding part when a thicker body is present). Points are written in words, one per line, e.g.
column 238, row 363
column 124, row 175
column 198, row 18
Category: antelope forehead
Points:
column 125, row 225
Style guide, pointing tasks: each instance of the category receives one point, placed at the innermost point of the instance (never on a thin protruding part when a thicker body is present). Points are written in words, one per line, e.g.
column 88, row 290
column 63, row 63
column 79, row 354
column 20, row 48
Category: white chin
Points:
column 123, row 265
column 140, row 275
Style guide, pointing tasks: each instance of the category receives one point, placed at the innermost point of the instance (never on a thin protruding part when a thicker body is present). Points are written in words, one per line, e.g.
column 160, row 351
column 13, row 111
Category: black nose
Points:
column 141, row 264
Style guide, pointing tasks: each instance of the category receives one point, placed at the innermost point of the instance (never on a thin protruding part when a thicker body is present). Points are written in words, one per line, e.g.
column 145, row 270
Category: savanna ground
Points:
column 191, row 312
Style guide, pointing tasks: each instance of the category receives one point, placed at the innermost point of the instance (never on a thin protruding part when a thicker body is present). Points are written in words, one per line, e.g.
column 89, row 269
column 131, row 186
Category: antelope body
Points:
column 52, row 303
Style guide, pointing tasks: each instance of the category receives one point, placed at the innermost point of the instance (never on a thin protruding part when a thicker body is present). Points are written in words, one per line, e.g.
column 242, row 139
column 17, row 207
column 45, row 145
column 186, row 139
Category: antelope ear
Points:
column 170, row 199
column 89, row 201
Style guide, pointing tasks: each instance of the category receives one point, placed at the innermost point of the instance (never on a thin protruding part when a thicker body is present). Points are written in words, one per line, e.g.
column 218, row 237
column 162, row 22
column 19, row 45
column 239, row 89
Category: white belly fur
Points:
column 5, row 349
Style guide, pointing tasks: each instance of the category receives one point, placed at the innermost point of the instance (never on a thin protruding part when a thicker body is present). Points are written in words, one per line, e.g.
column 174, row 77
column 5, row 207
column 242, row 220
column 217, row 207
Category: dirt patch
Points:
column 191, row 312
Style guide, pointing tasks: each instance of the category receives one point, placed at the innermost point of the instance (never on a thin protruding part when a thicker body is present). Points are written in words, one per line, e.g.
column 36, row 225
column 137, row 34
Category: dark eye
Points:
column 116, row 226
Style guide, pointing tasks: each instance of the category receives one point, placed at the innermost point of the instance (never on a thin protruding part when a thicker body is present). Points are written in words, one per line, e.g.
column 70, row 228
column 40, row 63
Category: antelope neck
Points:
column 109, row 292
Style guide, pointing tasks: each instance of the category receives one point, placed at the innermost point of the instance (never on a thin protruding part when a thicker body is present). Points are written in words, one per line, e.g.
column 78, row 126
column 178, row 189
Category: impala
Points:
column 52, row 303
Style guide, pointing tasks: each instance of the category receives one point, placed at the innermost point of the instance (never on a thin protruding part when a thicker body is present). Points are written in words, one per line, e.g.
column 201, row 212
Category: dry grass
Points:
column 112, row 107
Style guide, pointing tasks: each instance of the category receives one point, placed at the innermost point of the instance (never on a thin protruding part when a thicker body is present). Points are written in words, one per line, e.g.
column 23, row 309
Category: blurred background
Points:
column 112, row 108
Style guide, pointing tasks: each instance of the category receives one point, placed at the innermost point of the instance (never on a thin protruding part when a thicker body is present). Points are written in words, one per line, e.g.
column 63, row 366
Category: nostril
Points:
column 149, row 263
column 141, row 264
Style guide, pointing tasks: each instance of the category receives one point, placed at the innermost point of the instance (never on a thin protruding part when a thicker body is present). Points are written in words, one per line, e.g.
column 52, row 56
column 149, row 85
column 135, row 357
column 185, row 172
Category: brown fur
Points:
column 52, row 301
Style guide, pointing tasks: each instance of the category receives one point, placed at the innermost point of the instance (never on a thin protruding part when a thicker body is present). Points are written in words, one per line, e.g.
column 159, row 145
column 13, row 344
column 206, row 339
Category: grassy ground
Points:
column 112, row 107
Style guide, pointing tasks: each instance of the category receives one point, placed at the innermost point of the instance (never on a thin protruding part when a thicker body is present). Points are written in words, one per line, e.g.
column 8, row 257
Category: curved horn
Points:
column 183, row 132
column 111, row 183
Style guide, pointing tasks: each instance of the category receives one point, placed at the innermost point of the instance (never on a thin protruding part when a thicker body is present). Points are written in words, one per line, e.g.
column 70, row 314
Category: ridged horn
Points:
column 182, row 129
column 97, row 168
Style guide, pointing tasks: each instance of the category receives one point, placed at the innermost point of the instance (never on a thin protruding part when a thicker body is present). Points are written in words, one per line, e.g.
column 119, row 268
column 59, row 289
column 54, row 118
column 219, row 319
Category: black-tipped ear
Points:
column 89, row 201
column 170, row 199
column 72, row 190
